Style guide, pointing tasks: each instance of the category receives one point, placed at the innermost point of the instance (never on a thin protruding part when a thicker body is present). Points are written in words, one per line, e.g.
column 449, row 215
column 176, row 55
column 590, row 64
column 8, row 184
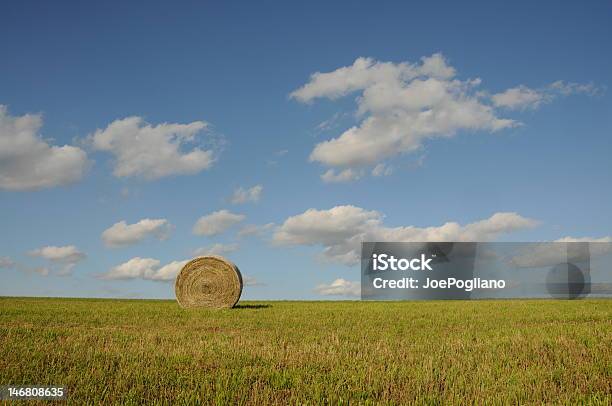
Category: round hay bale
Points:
column 210, row 281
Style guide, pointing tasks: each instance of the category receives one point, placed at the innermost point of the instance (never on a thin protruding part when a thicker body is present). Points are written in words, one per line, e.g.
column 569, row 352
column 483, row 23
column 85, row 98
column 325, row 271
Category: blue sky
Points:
column 230, row 76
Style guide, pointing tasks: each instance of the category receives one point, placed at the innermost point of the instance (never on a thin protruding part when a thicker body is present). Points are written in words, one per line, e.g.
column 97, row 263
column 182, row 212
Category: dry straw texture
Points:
column 210, row 281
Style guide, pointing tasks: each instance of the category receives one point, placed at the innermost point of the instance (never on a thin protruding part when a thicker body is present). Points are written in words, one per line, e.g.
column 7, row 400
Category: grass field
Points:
column 144, row 351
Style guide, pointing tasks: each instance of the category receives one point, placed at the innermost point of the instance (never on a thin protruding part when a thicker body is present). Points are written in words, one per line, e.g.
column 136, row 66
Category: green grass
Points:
column 137, row 351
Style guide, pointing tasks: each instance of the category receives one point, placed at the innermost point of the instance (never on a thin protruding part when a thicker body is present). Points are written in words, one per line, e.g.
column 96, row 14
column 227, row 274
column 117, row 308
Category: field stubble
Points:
column 151, row 351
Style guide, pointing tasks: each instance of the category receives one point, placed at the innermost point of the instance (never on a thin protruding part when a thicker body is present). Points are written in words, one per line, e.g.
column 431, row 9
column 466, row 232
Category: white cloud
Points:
column 346, row 175
column 253, row 229
column 122, row 234
column 169, row 271
column 66, row 254
column 340, row 287
column 569, row 88
column 249, row 229
column 216, row 222
column 242, row 195
column 365, row 73
column 519, row 97
column 382, row 170
column 145, row 268
column 66, row 257
column 552, row 253
column 341, row 229
column 401, row 104
column 585, row 239
column 28, row 162
column 134, row 268
column 523, row 97
column 151, row 152
column 6, row 262
column 216, row 249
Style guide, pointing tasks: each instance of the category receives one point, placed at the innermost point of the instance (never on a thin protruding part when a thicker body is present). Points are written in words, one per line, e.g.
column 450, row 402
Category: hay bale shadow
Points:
column 252, row 306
